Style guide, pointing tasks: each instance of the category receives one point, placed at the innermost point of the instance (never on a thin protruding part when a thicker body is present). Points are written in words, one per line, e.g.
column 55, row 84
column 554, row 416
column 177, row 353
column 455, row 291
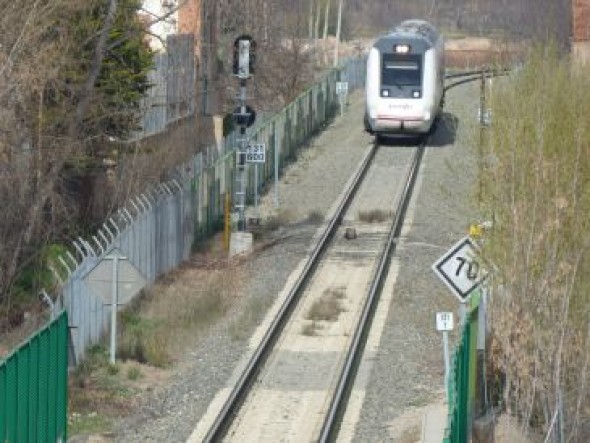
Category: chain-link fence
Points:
column 156, row 230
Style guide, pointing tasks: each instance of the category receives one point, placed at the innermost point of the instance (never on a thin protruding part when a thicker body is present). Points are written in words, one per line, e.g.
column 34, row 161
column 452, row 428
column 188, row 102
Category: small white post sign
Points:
column 444, row 321
column 444, row 324
column 341, row 88
column 256, row 153
column 342, row 92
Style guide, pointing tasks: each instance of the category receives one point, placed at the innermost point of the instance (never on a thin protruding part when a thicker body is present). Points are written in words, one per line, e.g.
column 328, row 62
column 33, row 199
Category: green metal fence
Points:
column 33, row 387
column 462, row 380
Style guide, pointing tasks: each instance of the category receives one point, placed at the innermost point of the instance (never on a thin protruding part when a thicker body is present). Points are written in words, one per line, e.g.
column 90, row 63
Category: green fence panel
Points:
column 461, row 389
column 33, row 387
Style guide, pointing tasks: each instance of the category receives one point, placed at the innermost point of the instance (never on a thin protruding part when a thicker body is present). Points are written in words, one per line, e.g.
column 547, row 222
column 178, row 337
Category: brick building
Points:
column 200, row 18
column 581, row 30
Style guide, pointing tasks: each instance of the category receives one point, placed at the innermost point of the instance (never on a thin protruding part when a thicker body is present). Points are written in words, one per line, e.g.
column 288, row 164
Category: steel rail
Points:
column 462, row 82
column 345, row 384
column 474, row 76
column 462, row 74
column 339, row 401
column 225, row 417
column 493, row 72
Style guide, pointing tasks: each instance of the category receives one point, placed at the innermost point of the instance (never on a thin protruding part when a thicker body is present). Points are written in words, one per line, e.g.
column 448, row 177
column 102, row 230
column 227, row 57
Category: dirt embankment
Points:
column 475, row 52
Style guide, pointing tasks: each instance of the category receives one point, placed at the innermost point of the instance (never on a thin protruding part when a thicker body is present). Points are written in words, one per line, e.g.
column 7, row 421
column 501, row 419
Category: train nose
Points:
column 408, row 116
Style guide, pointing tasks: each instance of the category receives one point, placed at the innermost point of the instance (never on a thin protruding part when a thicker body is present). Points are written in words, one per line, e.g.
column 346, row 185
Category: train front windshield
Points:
column 401, row 70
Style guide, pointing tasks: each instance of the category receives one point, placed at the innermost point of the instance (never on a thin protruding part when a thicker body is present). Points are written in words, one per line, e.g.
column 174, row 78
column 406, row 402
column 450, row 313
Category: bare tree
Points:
column 325, row 33
column 284, row 60
column 338, row 29
column 44, row 130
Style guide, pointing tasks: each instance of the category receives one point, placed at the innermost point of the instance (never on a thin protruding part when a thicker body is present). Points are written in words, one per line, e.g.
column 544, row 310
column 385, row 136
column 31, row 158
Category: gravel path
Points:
column 406, row 372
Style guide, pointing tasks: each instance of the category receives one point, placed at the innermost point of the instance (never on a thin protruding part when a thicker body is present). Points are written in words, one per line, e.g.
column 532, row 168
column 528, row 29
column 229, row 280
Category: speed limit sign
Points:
column 461, row 269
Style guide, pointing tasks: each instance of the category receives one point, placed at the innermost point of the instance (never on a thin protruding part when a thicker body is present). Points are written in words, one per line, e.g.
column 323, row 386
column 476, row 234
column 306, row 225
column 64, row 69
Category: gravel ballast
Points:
column 406, row 372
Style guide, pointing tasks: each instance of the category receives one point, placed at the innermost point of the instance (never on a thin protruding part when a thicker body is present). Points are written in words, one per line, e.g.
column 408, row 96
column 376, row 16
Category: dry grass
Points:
column 101, row 393
column 276, row 221
column 374, row 216
column 328, row 307
column 315, row 216
column 248, row 317
column 410, row 435
column 174, row 315
column 537, row 193
column 155, row 332
column 311, row 329
column 508, row 430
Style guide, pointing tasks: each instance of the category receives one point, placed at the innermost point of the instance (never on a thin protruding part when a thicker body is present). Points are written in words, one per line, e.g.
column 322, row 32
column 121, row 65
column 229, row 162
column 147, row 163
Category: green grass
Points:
column 134, row 373
column 92, row 423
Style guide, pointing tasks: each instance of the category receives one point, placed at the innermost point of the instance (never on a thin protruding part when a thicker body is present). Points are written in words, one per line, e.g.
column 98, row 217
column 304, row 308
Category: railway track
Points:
column 297, row 383
column 275, row 398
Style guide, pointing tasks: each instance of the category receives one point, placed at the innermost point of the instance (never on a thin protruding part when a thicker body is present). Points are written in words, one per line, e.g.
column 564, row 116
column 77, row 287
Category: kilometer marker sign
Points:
column 461, row 269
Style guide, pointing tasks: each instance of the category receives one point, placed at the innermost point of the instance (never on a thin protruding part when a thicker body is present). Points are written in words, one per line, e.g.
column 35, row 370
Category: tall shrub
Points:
column 537, row 189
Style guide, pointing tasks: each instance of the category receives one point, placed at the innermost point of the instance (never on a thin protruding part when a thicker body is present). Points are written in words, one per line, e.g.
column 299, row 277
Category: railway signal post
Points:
column 244, row 117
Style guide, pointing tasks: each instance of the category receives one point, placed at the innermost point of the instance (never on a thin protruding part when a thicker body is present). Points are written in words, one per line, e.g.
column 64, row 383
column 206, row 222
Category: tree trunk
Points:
column 96, row 64
column 325, row 36
column 310, row 20
column 338, row 27
column 326, row 20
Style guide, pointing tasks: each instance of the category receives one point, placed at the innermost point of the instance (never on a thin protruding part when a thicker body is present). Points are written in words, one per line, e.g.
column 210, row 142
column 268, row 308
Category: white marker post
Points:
column 444, row 324
column 256, row 211
column 115, row 302
column 342, row 92
column 277, row 161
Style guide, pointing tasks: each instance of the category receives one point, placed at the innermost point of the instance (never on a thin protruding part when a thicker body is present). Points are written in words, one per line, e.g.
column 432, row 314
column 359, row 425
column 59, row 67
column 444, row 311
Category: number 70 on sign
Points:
column 461, row 269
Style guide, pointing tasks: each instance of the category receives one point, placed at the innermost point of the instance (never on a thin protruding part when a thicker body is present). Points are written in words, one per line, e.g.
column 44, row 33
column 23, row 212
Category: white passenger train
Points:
column 405, row 80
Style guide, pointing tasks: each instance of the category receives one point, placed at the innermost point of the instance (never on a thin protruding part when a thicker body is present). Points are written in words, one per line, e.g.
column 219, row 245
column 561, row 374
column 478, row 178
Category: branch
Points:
column 8, row 61
column 161, row 18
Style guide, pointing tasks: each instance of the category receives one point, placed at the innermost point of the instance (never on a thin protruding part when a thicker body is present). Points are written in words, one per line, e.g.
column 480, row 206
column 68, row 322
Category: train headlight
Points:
column 427, row 116
column 385, row 93
column 416, row 93
column 401, row 49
